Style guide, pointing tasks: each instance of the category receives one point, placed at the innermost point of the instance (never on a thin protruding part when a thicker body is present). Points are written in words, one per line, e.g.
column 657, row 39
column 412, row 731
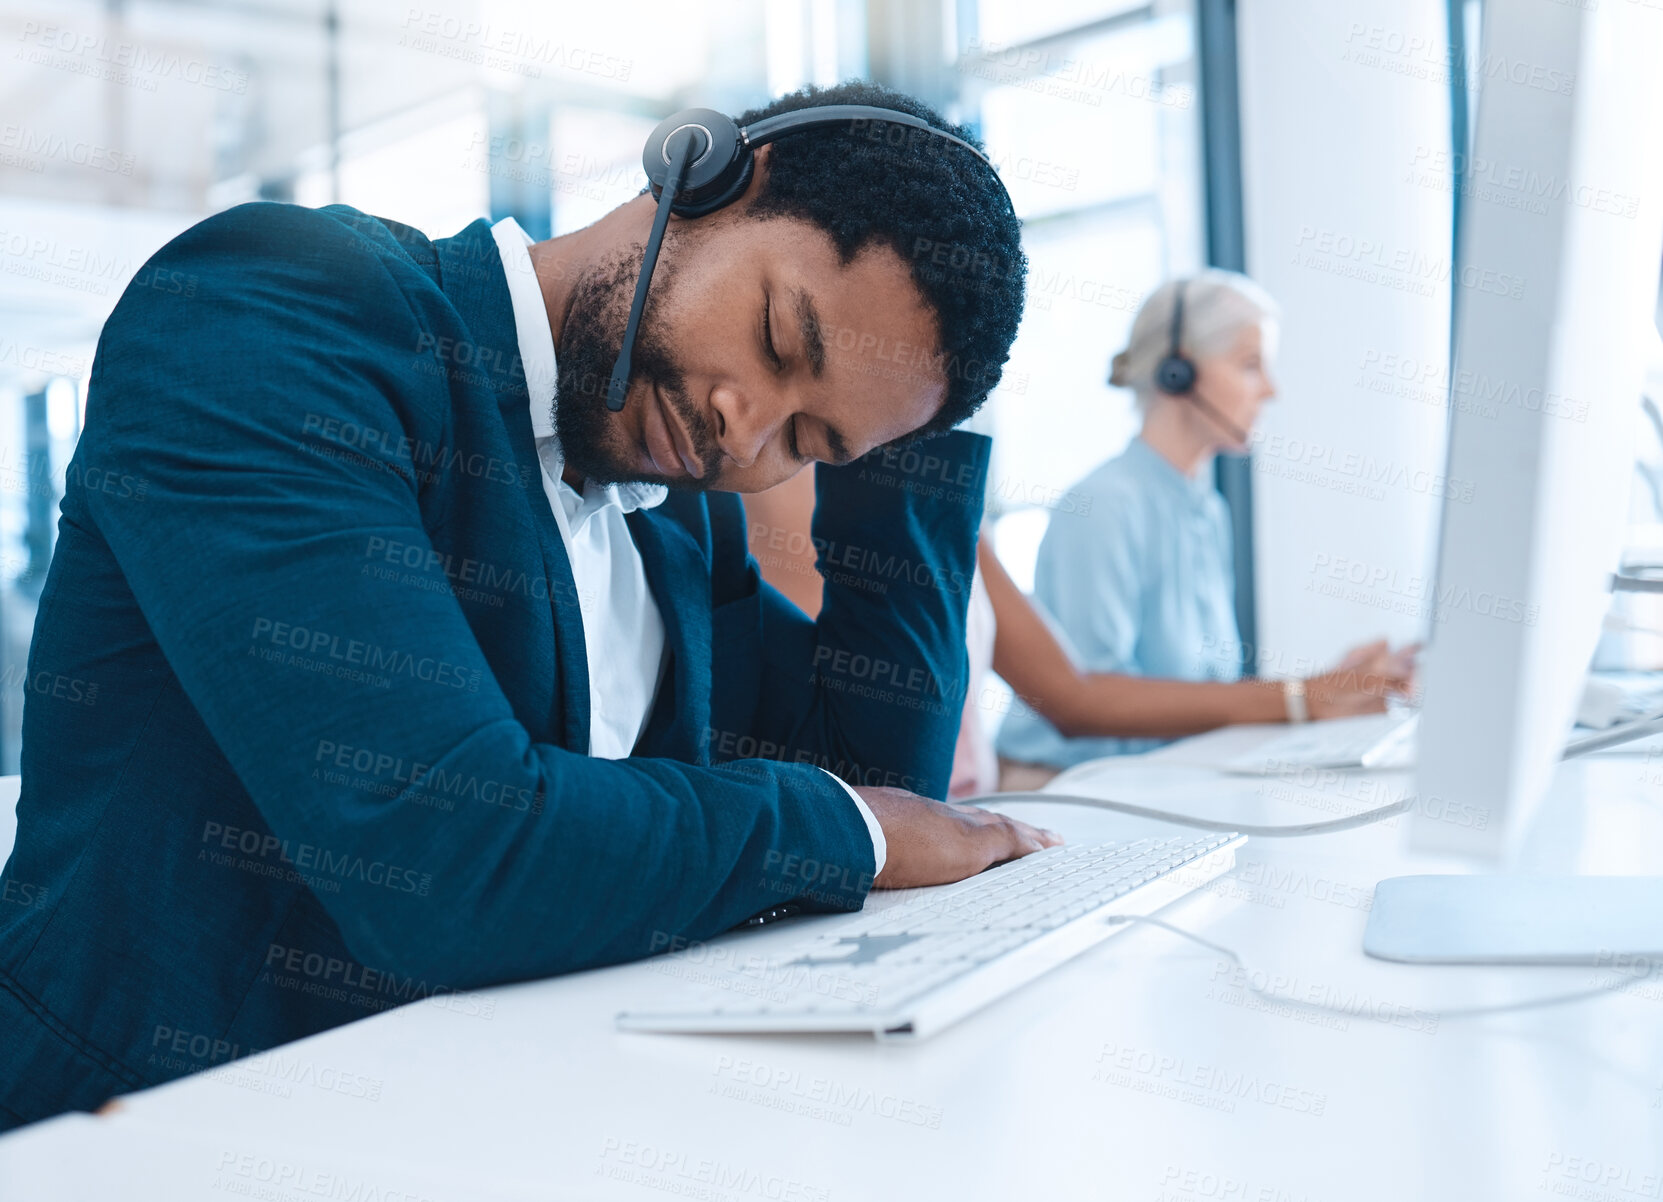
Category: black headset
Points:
column 699, row 160
column 1175, row 374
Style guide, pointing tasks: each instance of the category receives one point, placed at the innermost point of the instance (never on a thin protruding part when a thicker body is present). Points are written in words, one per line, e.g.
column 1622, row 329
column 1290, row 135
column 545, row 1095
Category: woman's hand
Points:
column 1363, row 680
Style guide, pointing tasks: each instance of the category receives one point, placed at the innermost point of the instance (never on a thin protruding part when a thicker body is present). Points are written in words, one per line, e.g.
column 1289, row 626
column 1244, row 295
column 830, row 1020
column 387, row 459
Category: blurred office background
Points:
column 1309, row 142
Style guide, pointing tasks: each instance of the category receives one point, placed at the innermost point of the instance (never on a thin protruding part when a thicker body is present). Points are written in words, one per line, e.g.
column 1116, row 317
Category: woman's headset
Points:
column 699, row 160
column 1175, row 374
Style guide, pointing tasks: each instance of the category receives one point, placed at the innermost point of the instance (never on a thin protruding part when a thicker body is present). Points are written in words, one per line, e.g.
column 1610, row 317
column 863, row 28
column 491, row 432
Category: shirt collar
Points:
column 531, row 326
column 1156, row 466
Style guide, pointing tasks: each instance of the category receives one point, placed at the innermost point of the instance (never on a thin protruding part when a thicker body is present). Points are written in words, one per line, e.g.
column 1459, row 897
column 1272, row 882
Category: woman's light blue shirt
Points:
column 1139, row 581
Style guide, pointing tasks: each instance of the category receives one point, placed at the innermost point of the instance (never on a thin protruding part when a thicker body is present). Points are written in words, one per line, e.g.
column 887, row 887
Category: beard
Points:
column 593, row 438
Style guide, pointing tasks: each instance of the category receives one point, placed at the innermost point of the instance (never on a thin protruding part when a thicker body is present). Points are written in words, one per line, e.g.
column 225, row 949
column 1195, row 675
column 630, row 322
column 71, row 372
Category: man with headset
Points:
column 427, row 651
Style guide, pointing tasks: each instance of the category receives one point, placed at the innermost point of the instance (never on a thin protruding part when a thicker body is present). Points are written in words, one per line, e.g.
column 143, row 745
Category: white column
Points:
column 1346, row 165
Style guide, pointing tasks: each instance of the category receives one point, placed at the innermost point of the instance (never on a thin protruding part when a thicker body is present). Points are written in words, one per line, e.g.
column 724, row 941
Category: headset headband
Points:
column 1175, row 374
column 1177, row 321
column 770, row 128
column 722, row 160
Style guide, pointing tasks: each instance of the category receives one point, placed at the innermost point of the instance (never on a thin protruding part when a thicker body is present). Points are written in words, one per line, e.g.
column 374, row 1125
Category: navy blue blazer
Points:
column 306, row 729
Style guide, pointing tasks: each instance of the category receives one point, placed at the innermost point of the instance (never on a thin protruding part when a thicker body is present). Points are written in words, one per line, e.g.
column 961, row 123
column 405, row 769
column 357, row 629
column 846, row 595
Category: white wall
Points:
column 1345, row 144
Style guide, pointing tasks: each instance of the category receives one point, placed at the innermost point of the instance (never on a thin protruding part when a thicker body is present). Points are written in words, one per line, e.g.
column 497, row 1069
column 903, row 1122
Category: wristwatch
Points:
column 1293, row 694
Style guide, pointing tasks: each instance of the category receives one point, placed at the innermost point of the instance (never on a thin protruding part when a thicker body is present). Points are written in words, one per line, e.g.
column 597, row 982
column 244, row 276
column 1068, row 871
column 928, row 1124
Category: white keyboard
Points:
column 1367, row 741
column 1611, row 698
column 910, row 969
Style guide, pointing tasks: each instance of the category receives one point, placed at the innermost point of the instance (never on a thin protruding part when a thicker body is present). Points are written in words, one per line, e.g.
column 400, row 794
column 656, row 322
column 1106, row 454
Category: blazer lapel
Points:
column 471, row 275
column 680, row 582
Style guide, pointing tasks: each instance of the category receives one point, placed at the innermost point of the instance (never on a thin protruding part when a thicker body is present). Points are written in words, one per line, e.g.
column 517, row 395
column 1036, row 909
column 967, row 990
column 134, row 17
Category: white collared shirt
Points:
column 623, row 632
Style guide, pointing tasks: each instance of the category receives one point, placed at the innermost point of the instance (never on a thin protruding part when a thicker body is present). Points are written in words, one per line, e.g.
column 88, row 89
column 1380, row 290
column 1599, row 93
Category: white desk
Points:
column 1140, row 1070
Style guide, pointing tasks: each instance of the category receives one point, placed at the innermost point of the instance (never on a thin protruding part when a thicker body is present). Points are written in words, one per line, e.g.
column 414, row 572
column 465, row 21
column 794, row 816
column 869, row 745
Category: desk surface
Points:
column 1144, row 1069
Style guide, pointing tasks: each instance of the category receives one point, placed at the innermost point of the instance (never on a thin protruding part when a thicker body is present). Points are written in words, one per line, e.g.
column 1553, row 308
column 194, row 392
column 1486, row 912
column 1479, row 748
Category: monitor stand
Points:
column 1613, row 922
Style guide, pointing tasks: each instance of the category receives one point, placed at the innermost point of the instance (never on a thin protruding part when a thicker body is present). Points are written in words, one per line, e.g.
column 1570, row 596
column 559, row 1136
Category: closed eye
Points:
column 768, row 333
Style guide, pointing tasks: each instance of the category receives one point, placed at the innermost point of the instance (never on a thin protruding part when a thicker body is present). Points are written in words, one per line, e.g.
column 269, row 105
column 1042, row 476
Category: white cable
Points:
column 1614, row 736
column 1366, row 818
column 1557, row 999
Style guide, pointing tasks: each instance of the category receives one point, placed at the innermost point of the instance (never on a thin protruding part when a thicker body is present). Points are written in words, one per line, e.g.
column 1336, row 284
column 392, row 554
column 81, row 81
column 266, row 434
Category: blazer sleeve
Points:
column 247, row 560
column 874, row 688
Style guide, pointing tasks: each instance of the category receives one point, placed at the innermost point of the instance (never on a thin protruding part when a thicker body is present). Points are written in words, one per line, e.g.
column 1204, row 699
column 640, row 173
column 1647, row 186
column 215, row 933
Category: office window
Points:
column 1634, row 627
column 41, row 425
column 1056, row 418
column 1003, row 21
column 1090, row 112
column 428, row 167
column 596, row 162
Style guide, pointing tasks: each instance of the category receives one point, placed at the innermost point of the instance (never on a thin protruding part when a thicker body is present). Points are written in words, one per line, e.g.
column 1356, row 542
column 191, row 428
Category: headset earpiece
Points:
column 1175, row 374
column 721, row 167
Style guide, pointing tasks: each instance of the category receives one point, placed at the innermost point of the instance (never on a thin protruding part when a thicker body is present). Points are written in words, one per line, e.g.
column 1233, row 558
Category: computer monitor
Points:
column 1557, row 273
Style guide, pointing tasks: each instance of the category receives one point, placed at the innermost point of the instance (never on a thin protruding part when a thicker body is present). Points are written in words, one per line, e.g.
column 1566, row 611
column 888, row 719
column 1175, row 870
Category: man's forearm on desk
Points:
column 874, row 688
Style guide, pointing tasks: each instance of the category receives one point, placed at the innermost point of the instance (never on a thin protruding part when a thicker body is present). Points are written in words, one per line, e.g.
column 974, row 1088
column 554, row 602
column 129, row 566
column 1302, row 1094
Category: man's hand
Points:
column 932, row 843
